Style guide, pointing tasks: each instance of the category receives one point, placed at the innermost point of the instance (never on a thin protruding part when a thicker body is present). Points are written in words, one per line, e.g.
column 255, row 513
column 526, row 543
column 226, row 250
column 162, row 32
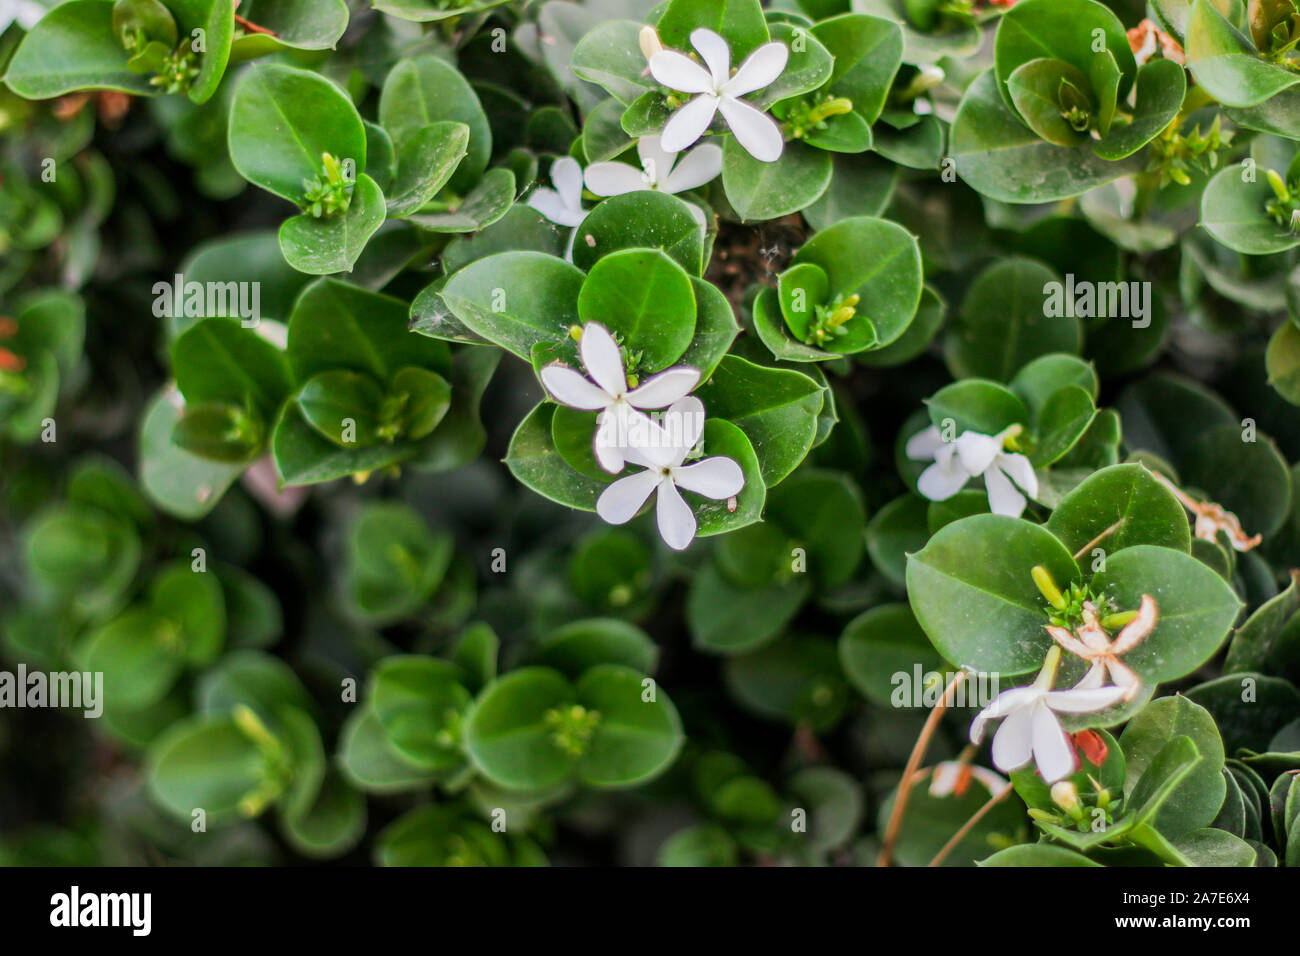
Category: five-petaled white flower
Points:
column 665, row 471
column 1093, row 645
column 563, row 204
column 660, row 170
column 607, row 391
column 1031, row 730
column 954, row 777
column 717, row 90
column 969, row 456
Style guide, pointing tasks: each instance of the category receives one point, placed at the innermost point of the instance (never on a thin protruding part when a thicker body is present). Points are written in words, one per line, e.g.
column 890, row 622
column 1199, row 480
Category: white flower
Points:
column 660, row 170
column 664, row 473
column 618, row 404
column 954, row 776
column 563, row 204
column 1031, row 730
column 1092, row 644
column 719, row 91
column 970, row 456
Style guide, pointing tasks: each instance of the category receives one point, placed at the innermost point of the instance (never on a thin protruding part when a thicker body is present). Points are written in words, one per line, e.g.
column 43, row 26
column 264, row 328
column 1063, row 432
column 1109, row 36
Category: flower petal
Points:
column 614, row 179
column 1020, row 471
column 601, row 358
column 549, row 204
column 977, row 451
column 717, row 478
column 566, row 177
column 701, row 165
column 923, row 445
column 1052, row 750
column 754, row 130
column 1096, row 677
column 1137, row 629
column 683, row 420
column 668, row 386
column 674, row 517
column 1068, row 641
column 1004, row 499
column 619, row 503
column 940, row 482
column 1013, row 744
column 677, row 71
column 688, row 124
column 1085, row 701
column 656, row 162
column 569, row 388
column 1003, row 704
column 760, row 69
column 715, row 53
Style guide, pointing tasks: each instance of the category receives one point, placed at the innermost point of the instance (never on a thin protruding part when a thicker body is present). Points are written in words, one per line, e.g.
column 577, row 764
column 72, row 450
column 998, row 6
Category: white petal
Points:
column 614, row 179
column 755, row 131
column 1095, row 677
column 609, row 442
column 1020, row 471
column 569, row 388
column 673, row 514
column 688, row 124
column 760, row 69
column 601, row 358
column 1083, row 701
column 677, row 71
column 642, row 441
column 619, row 503
column 923, row 445
column 977, row 451
column 664, row 388
column 1003, row 497
column 549, row 204
column 656, row 162
column 566, row 177
column 715, row 53
column 684, row 422
column 698, row 215
column 715, row 478
column 1052, row 750
column 1003, row 704
column 939, row 483
column 701, row 165
column 1013, row 744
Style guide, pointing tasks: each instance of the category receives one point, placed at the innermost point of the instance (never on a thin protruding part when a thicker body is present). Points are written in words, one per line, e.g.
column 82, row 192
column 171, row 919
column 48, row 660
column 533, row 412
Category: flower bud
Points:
column 1066, row 796
column 650, row 44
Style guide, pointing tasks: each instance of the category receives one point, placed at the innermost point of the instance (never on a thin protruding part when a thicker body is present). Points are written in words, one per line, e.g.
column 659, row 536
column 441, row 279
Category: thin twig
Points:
column 1091, row 544
column 895, row 824
column 969, row 825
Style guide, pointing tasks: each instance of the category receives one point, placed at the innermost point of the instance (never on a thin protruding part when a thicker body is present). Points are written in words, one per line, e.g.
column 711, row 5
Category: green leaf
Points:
column 775, row 408
column 640, row 219
column 1037, row 854
column 882, row 645
column 426, row 159
column 486, row 203
column 868, row 52
column 1233, row 212
column 739, row 22
column 1035, row 90
column 795, row 681
column 307, row 116
column 203, row 763
column 726, row 619
column 394, row 562
column 424, row 90
column 516, row 299
column 972, row 592
column 1282, row 361
column 1195, row 801
column 1001, row 158
column 532, row 458
column 639, row 734
column 759, row 190
column 419, row 701
column 218, row 360
column 1061, row 30
column 1118, row 507
column 73, row 47
column 580, row 645
column 331, row 401
column 182, row 484
column 323, row 246
column 1005, row 321
column 1196, row 608
column 610, row 56
column 645, row 298
column 1226, row 64
column 138, row 654
column 1161, row 86
column 294, row 25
